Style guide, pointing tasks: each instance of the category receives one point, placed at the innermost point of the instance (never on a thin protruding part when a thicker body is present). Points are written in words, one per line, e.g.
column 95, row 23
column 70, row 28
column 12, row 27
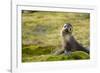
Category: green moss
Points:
column 37, row 50
column 43, row 58
column 57, row 58
column 78, row 55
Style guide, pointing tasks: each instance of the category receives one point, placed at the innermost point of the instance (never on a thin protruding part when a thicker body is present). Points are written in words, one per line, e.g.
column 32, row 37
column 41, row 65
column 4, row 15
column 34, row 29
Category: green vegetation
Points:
column 78, row 55
column 41, row 35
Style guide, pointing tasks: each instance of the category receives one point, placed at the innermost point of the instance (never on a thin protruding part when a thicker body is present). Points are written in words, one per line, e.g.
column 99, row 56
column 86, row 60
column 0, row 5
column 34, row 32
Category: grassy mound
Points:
column 42, row 58
column 78, row 55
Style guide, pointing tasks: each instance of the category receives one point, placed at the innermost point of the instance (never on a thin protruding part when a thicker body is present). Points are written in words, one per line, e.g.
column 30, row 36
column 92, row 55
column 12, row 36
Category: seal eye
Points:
column 69, row 29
